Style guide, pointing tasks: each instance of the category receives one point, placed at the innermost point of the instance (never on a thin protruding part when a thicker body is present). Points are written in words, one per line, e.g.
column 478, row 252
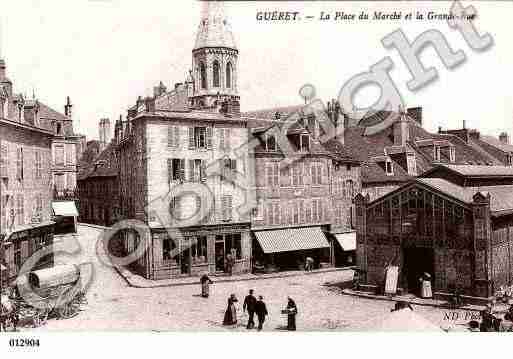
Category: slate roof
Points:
column 480, row 171
column 175, row 100
column 492, row 141
column 47, row 112
column 105, row 165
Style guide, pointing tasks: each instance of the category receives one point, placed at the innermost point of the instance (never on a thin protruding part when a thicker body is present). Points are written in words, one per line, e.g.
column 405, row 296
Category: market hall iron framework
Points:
column 454, row 222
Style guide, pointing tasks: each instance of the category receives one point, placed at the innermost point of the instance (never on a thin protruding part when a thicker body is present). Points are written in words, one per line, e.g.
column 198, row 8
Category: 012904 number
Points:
column 24, row 342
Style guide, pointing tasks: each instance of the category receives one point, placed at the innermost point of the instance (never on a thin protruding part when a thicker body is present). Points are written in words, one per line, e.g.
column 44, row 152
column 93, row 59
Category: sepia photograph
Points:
column 255, row 166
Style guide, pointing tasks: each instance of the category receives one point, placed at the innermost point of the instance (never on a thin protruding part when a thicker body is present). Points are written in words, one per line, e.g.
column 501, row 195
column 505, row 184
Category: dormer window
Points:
column 304, row 143
column 438, row 154
column 270, row 143
column 452, row 154
column 389, row 168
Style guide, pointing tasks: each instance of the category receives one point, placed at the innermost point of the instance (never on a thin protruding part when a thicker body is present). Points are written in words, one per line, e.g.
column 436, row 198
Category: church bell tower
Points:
column 214, row 61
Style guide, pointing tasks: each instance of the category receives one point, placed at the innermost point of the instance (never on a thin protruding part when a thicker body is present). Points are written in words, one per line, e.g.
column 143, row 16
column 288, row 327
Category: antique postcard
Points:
column 255, row 166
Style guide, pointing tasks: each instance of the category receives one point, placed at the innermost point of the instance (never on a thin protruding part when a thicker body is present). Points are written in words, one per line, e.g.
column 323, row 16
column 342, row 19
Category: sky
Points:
column 105, row 53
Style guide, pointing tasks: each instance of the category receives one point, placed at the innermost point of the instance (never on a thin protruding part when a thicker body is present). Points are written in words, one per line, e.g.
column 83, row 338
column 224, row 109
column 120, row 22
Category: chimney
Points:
column 504, row 138
column 401, row 129
column 104, row 132
column 149, row 103
column 67, row 107
column 139, row 103
column 159, row 90
column 3, row 72
column 464, row 124
column 439, row 129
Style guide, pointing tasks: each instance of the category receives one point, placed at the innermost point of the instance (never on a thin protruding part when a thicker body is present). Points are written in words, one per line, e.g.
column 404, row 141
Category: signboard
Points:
column 391, row 278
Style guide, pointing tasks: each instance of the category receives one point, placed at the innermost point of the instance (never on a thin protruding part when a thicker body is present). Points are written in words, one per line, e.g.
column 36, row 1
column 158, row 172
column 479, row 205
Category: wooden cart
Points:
column 48, row 292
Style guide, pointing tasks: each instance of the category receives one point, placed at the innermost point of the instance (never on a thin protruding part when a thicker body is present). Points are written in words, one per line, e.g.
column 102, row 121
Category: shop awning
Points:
column 293, row 239
column 65, row 209
column 347, row 240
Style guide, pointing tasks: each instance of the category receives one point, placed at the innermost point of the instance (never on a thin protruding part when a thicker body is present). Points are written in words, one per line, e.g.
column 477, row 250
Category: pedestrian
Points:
column 506, row 325
column 205, row 285
column 230, row 316
column 249, row 304
column 261, row 312
column 291, row 314
column 425, row 286
column 309, row 264
column 229, row 264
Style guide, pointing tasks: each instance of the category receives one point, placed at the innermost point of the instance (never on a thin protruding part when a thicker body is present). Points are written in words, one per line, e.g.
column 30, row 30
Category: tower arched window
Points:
column 203, row 76
column 216, row 74
column 228, row 75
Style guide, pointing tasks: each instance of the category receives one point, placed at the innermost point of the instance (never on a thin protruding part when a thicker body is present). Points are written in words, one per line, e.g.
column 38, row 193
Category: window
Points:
column 168, row 246
column 175, row 169
column 59, row 182
column 226, row 207
column 452, row 154
column 4, row 163
column 173, row 136
column 273, row 213
column 215, row 69
column 39, row 165
column 19, row 163
column 224, row 139
column 304, row 143
column 389, row 168
column 70, row 181
column 70, row 154
column 233, row 245
column 229, row 168
column 17, row 253
column 272, row 171
column 297, row 210
column 509, row 159
column 259, row 211
column 199, row 250
column 297, row 174
column 175, row 209
column 437, row 154
column 59, row 155
column 228, row 75
column 203, row 75
column 316, row 173
column 350, row 189
column 270, row 143
column 197, row 171
column 20, row 210
column 316, row 210
column 200, row 137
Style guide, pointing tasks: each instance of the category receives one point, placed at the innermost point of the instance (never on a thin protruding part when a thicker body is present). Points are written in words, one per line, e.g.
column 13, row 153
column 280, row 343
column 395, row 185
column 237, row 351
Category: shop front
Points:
column 344, row 249
column 288, row 249
column 215, row 249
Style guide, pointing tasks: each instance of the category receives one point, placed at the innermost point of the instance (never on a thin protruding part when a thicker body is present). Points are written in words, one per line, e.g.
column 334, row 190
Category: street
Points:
column 113, row 305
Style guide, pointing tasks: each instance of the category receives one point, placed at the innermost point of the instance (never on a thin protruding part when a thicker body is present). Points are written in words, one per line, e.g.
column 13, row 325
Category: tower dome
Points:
column 215, row 60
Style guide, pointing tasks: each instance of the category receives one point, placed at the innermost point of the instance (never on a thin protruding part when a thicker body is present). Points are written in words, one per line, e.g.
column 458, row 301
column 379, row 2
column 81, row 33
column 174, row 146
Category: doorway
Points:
column 219, row 256
column 416, row 262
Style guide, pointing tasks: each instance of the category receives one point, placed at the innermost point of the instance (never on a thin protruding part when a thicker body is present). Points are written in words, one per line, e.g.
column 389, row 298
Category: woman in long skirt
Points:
column 230, row 316
column 425, row 286
column 291, row 314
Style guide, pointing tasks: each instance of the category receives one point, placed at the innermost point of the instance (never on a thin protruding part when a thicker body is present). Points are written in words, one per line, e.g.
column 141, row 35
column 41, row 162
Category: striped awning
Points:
column 347, row 240
column 293, row 239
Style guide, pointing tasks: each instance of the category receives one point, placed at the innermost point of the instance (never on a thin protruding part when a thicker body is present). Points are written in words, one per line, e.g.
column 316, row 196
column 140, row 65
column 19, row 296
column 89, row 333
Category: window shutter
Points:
column 191, row 170
column 170, row 136
column 177, row 136
column 182, row 169
column 169, row 170
column 192, row 144
column 203, row 171
column 285, row 178
column 209, row 138
column 233, row 165
column 221, row 139
column 227, row 139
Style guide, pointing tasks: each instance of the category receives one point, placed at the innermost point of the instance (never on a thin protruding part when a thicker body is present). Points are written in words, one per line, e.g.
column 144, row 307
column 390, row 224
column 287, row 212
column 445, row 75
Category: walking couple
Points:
column 254, row 306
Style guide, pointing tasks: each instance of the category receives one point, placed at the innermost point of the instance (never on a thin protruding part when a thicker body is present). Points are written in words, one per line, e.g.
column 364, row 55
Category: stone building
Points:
column 98, row 189
column 454, row 222
column 25, row 180
column 303, row 209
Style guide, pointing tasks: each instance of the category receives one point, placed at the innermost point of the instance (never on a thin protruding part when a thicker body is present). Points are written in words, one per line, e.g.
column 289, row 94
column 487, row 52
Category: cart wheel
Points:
column 68, row 311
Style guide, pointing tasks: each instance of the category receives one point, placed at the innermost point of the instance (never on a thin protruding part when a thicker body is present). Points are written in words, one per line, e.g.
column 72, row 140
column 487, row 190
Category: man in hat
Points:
column 249, row 304
column 261, row 311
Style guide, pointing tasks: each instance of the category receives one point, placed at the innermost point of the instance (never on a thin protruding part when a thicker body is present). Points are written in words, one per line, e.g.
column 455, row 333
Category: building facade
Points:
column 454, row 222
column 25, row 182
